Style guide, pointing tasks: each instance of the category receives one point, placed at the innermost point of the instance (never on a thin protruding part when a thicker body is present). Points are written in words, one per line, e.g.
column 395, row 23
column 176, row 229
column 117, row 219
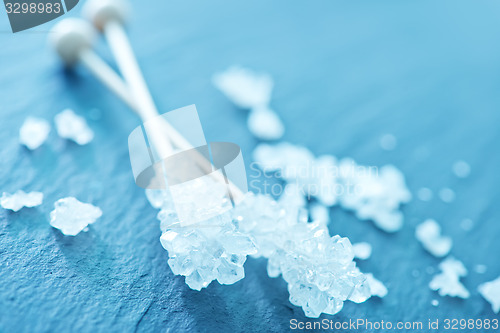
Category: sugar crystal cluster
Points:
column 318, row 268
column 34, row 132
column 71, row 126
column 372, row 193
column 72, row 216
column 447, row 283
column 429, row 234
column 214, row 249
column 250, row 90
column 20, row 199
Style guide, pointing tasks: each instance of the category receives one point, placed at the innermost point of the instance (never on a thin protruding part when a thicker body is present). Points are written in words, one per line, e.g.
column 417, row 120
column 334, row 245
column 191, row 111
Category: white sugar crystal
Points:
column 251, row 90
column 72, row 216
column 448, row 281
column 318, row 268
column 491, row 292
column 377, row 288
column 245, row 88
column 371, row 193
column 435, row 302
column 34, row 132
column 362, row 250
column 429, row 234
column 71, row 126
column 424, row 194
column 21, row 199
column 265, row 124
column 388, row 142
column 374, row 194
column 461, row 169
column 447, row 195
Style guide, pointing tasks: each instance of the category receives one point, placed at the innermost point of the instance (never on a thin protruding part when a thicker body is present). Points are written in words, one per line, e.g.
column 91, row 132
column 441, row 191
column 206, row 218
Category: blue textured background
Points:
column 346, row 72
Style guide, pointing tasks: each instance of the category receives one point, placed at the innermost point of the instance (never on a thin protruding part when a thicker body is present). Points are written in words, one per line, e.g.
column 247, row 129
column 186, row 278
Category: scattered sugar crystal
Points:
column 424, row 194
column 71, row 126
column 34, row 132
column 429, row 234
column 447, row 195
column 319, row 213
column 245, row 88
column 480, row 269
column 435, row 302
column 265, row 124
column 251, row 90
column 377, row 288
column 371, row 193
column 448, row 281
column 72, row 216
column 21, row 199
column 491, row 292
column 467, row 224
column 388, row 142
column 461, row 169
column 374, row 194
column 362, row 250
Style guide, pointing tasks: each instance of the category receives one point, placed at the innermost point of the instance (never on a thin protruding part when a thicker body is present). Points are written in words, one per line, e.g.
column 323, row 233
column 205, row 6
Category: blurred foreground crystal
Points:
column 372, row 193
column 20, row 199
column 447, row 282
column 491, row 292
column 251, row 90
column 72, row 216
column 34, row 132
column 429, row 234
column 73, row 127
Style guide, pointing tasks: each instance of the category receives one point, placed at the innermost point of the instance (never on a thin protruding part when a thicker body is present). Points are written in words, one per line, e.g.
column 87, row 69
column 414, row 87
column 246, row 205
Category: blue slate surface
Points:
column 345, row 73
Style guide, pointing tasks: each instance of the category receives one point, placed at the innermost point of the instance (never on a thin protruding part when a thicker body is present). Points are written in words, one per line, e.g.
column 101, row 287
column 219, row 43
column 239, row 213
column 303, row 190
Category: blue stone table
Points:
column 345, row 74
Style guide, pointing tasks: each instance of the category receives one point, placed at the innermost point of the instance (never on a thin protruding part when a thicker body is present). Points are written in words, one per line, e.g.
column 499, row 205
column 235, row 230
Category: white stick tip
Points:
column 71, row 36
column 100, row 12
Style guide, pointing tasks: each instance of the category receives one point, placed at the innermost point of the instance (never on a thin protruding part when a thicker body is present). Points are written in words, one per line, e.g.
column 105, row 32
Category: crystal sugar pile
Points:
column 251, row 90
column 448, row 281
column 72, row 216
column 34, row 132
column 73, row 127
column 214, row 249
column 372, row 193
column 21, row 199
column 319, row 269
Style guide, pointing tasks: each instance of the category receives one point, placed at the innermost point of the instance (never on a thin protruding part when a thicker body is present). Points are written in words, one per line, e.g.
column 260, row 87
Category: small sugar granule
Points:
column 71, row 126
column 461, row 169
column 34, row 132
column 72, row 216
column 21, row 199
column 429, row 234
column 491, row 292
column 448, row 281
column 388, row 142
column 362, row 250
